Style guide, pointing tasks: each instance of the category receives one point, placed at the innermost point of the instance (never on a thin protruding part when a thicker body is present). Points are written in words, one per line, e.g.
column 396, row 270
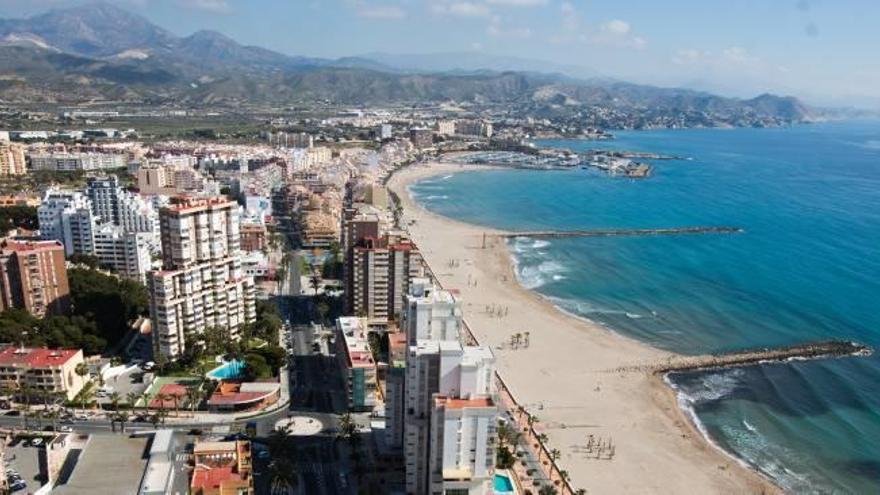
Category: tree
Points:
column 122, row 417
column 114, row 400
column 132, row 398
column 348, row 429
column 547, row 490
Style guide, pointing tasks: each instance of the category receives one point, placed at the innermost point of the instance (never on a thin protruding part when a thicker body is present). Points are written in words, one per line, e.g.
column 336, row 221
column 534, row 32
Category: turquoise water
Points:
column 807, row 267
column 502, row 484
column 228, row 371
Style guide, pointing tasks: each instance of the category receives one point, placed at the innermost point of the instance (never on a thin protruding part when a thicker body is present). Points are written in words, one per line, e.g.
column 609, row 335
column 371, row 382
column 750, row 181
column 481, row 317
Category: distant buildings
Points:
column 253, row 236
column 67, row 216
column 477, row 128
column 202, row 284
column 114, row 225
column 73, row 161
column 450, row 414
column 12, row 159
column 445, row 127
column 51, row 371
column 222, row 468
column 33, row 277
column 421, row 138
column 356, row 359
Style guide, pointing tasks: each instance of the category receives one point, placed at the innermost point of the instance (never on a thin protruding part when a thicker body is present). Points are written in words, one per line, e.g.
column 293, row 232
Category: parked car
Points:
column 36, row 442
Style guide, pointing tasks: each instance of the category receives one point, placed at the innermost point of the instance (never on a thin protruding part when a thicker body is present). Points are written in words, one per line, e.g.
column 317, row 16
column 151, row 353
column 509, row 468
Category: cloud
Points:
column 381, row 12
column 496, row 29
column 462, row 9
column 615, row 33
column 688, row 56
column 737, row 55
column 518, row 3
column 213, row 6
column 570, row 19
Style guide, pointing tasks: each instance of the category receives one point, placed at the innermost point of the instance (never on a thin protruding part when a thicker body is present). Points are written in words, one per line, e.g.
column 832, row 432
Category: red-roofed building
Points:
column 45, row 370
column 233, row 396
column 222, row 468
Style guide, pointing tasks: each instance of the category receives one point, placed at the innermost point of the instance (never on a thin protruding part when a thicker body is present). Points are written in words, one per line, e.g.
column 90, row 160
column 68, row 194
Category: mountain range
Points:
column 102, row 53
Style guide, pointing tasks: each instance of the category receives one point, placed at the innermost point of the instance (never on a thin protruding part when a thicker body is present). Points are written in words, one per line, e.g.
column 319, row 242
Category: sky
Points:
column 824, row 51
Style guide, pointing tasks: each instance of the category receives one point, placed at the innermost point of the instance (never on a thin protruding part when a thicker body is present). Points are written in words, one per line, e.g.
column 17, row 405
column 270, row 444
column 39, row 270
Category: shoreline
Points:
column 661, row 449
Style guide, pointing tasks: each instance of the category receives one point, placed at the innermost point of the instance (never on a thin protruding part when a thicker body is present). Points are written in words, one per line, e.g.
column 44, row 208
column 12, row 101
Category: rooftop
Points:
column 35, row 357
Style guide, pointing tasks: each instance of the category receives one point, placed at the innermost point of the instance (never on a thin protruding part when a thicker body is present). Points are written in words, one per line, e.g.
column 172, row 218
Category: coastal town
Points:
column 283, row 292
column 403, row 247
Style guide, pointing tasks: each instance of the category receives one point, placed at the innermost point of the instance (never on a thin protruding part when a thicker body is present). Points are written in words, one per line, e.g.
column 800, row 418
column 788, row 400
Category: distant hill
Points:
column 100, row 52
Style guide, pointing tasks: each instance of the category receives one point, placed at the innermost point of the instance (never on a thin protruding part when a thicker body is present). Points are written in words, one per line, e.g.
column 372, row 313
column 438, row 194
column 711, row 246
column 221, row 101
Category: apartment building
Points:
column 115, row 205
column 381, row 272
column 73, row 161
column 33, row 277
column 44, row 370
column 12, row 159
column 356, row 359
column 449, row 415
column 67, row 216
column 202, row 284
column 126, row 253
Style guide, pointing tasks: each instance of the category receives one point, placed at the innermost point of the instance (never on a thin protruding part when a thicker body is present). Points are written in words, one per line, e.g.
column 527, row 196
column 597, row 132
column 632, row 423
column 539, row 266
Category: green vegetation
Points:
column 12, row 217
column 112, row 303
column 379, row 346
column 103, row 306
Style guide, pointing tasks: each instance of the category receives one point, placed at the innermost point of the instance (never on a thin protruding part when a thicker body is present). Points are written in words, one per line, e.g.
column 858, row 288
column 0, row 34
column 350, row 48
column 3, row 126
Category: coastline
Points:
column 568, row 381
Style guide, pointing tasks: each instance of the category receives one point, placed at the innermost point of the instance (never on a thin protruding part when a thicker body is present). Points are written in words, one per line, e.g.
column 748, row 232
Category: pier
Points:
column 802, row 352
column 626, row 232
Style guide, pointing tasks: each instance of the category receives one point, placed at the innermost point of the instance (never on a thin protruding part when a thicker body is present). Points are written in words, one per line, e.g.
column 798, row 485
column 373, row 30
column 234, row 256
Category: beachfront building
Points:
column 202, row 284
column 381, row 273
column 67, row 216
column 33, row 277
column 395, row 390
column 450, row 412
column 49, row 371
column 12, row 159
column 357, row 363
column 222, row 468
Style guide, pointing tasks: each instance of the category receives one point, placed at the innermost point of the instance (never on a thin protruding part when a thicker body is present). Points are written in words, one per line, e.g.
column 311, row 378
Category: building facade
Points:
column 12, row 159
column 33, row 277
column 51, row 371
column 202, row 284
column 67, row 216
column 356, row 360
column 126, row 253
column 381, row 273
column 450, row 412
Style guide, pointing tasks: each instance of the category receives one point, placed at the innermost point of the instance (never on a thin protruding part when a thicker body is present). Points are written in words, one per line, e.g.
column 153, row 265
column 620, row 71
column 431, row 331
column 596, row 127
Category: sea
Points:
column 805, row 268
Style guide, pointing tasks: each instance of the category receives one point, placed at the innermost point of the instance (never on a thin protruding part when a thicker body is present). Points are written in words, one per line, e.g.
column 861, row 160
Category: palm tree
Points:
column 86, row 395
column 144, row 397
column 547, row 490
column 122, row 417
column 82, row 369
column 155, row 419
column 282, row 472
column 114, row 400
column 132, row 399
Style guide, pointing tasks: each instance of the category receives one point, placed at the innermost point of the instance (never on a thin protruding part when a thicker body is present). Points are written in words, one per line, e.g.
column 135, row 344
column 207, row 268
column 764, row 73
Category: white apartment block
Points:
column 115, row 205
column 202, row 284
column 12, row 159
column 67, row 216
column 450, row 412
column 66, row 162
column 431, row 314
column 127, row 253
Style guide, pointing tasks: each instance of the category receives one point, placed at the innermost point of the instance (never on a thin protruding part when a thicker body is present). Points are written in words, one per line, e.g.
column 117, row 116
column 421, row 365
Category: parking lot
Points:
column 22, row 459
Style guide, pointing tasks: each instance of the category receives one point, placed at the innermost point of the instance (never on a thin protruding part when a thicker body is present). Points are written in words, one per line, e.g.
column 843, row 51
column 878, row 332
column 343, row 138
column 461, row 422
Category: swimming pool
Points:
column 228, row 371
column 502, row 484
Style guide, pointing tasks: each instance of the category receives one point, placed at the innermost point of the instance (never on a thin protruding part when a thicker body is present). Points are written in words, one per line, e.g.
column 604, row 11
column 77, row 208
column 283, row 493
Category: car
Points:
column 263, row 454
column 65, row 429
column 195, row 432
column 81, row 417
column 36, row 442
column 13, row 413
column 20, row 485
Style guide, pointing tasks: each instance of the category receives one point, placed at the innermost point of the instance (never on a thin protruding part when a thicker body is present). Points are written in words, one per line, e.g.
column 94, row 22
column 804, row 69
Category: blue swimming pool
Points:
column 228, row 371
column 502, row 484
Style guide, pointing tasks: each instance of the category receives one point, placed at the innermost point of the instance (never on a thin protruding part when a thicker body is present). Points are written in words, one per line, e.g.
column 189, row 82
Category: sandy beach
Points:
column 566, row 376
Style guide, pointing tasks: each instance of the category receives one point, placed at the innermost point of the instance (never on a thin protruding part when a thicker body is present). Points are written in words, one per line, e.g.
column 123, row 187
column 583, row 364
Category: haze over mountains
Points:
column 104, row 53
